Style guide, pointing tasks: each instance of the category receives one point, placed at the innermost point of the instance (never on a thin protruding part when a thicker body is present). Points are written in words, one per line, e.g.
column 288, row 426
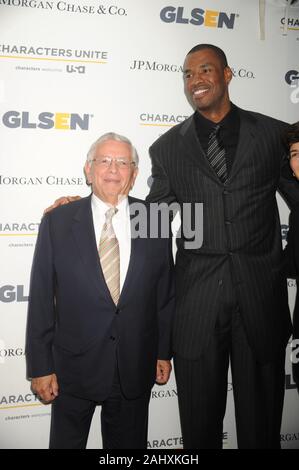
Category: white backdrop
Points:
column 70, row 71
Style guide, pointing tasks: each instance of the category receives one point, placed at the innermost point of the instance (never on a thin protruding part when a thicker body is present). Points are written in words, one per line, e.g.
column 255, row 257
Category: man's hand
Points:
column 61, row 201
column 45, row 387
column 163, row 371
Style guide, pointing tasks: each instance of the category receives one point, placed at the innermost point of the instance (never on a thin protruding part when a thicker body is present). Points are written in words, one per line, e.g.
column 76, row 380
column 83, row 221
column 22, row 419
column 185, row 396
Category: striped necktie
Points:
column 216, row 155
column 109, row 255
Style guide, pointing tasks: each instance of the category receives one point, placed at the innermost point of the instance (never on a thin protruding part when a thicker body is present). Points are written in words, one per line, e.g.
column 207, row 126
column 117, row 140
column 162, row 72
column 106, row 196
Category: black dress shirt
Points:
column 228, row 133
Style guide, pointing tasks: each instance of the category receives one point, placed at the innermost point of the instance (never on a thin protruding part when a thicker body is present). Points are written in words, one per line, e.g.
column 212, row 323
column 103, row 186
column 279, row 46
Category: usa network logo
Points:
column 198, row 17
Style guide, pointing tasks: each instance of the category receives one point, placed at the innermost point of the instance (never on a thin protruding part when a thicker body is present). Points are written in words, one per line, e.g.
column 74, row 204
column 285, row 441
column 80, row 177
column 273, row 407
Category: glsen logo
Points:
column 46, row 120
column 9, row 293
column 198, row 17
column 151, row 119
column 155, row 66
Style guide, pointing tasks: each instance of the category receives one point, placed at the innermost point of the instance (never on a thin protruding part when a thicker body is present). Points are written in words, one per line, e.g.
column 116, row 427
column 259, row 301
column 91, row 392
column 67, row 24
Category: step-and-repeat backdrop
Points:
column 72, row 70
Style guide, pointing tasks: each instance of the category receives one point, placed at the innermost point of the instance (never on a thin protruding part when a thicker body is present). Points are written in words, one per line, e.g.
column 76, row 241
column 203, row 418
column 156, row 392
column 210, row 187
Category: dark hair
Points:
column 291, row 136
column 219, row 52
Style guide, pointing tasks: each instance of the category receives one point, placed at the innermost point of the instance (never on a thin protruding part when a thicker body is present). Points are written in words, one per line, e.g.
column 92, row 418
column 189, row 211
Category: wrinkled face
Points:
column 294, row 158
column 206, row 81
column 111, row 182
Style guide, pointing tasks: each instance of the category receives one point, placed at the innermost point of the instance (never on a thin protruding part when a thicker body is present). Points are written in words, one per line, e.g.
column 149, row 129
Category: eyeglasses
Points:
column 106, row 162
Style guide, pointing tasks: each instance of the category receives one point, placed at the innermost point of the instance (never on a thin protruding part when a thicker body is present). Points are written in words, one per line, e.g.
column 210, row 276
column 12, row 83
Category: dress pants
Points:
column 124, row 422
column 202, row 387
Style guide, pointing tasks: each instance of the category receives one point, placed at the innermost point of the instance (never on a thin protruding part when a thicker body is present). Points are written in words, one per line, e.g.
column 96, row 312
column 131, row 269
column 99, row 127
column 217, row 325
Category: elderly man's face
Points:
column 111, row 182
column 294, row 158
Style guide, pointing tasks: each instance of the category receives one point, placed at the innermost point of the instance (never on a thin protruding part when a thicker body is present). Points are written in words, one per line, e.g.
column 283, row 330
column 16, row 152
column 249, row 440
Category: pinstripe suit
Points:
column 240, row 257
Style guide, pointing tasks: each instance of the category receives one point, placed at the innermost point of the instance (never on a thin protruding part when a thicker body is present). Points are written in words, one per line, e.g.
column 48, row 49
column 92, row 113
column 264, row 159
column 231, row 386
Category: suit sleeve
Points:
column 166, row 304
column 161, row 188
column 41, row 309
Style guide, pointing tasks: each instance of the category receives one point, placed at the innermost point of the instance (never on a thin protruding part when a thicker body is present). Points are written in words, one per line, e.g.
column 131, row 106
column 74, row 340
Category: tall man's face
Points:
column 206, row 82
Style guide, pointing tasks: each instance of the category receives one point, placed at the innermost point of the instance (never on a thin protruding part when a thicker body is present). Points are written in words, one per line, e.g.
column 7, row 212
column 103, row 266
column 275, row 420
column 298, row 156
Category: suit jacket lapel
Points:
column 246, row 142
column 83, row 233
column 192, row 148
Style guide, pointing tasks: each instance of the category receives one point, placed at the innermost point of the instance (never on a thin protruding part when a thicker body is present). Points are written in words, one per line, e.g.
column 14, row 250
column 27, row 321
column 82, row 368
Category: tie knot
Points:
column 110, row 213
column 214, row 131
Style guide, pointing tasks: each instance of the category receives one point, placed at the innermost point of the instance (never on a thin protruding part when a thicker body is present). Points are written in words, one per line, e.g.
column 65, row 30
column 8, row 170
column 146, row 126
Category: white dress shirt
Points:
column 122, row 228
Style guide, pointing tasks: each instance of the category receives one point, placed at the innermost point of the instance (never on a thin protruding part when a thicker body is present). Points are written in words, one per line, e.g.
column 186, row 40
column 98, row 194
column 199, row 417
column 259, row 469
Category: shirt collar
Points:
column 99, row 205
column 229, row 121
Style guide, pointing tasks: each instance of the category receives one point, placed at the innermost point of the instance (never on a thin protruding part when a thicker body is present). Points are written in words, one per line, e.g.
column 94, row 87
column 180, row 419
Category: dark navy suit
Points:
column 75, row 330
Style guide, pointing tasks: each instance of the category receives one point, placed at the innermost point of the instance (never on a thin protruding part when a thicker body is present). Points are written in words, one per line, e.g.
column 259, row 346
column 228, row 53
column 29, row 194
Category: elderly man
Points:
column 100, row 309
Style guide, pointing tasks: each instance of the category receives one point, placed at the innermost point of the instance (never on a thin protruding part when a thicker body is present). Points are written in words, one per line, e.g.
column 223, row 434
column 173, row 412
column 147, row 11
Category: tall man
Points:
column 100, row 308
column 231, row 295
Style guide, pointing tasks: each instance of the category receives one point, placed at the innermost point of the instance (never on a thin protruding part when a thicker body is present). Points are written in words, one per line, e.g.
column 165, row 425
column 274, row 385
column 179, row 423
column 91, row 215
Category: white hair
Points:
column 117, row 138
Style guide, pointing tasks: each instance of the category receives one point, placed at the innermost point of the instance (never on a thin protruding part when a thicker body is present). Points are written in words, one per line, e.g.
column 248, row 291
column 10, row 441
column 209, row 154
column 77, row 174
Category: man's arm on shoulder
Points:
column 61, row 202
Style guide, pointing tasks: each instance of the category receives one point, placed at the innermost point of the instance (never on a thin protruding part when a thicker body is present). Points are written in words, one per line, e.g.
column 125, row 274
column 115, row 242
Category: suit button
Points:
column 226, row 192
column 220, row 282
column 117, row 311
column 112, row 338
column 230, row 253
column 228, row 222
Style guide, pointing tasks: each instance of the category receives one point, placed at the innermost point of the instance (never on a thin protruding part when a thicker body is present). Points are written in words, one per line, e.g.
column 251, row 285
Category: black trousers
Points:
column 124, row 422
column 202, row 387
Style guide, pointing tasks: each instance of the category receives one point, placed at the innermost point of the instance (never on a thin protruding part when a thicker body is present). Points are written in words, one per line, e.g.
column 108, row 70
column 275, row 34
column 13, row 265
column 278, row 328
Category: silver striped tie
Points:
column 109, row 256
column 216, row 155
